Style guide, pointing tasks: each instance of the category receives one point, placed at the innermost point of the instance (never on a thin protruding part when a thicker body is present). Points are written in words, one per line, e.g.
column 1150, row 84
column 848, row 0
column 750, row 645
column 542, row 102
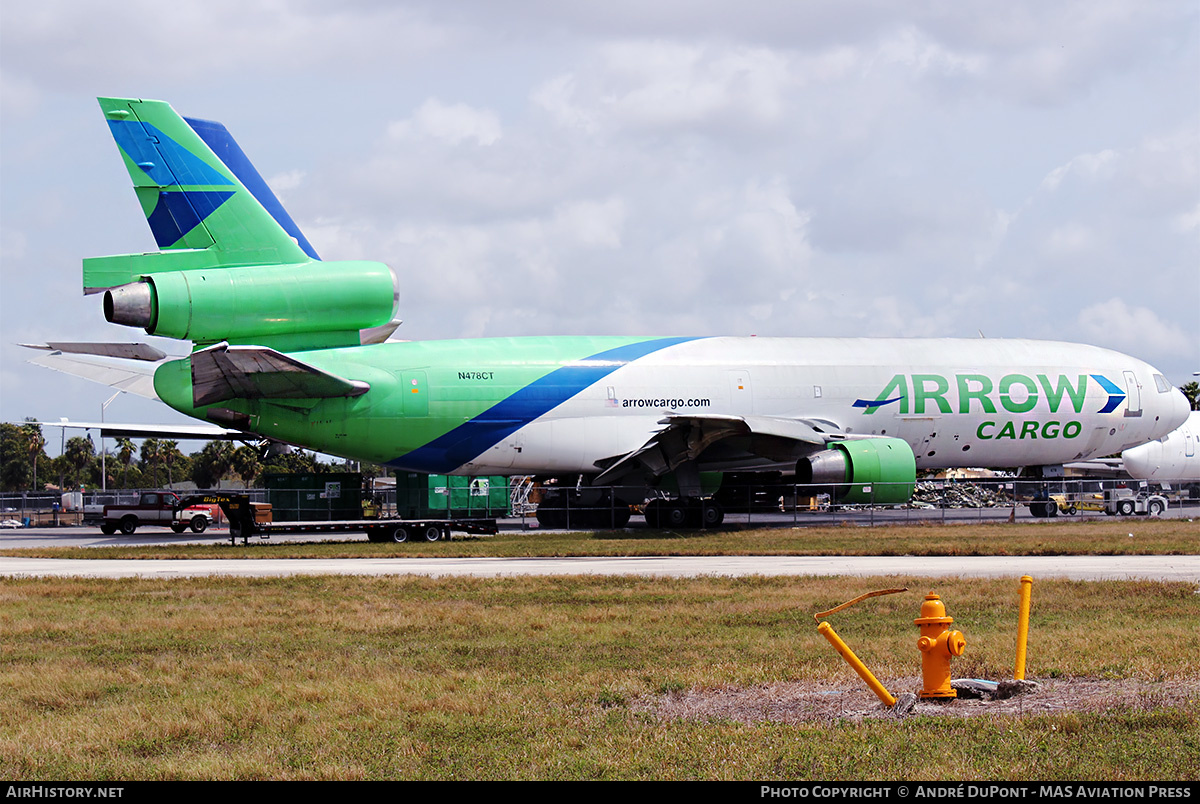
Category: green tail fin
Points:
column 200, row 213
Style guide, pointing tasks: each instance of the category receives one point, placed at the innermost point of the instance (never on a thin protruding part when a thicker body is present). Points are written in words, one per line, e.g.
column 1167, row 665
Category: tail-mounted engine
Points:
column 347, row 303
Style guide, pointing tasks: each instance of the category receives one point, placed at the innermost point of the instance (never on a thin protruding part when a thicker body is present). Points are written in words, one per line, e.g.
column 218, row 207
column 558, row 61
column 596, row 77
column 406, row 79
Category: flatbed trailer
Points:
column 242, row 525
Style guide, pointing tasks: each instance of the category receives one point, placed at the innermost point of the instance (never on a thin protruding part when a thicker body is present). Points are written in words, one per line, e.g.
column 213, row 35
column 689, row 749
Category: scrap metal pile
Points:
column 937, row 494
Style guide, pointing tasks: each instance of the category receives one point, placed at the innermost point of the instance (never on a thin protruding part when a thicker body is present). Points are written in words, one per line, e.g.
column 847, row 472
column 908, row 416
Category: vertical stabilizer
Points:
column 196, row 206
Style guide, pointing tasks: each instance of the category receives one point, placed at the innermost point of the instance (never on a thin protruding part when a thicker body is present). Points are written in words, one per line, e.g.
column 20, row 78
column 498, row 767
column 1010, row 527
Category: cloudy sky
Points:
column 860, row 167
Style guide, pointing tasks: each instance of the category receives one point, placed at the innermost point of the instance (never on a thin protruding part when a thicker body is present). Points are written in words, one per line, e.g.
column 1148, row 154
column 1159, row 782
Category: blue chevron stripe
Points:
column 473, row 438
column 178, row 212
column 165, row 161
column 1116, row 395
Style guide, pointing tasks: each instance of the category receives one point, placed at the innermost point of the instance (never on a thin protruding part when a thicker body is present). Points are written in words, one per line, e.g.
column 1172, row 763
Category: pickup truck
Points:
column 154, row 508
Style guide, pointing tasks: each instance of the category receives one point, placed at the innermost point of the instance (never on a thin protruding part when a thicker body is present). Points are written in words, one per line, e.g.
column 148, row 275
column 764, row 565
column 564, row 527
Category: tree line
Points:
column 25, row 466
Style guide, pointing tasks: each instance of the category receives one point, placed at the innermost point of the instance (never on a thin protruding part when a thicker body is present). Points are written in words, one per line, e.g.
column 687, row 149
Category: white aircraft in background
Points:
column 1174, row 457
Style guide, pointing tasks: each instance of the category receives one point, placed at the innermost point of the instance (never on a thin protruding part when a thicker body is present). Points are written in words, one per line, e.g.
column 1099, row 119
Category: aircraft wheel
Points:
column 129, row 525
column 651, row 513
column 400, row 534
column 199, row 524
column 432, row 533
column 1155, row 508
column 1125, row 508
column 674, row 515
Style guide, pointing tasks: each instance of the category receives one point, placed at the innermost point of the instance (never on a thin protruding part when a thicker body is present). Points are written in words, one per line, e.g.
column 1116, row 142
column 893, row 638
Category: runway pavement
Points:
column 1091, row 568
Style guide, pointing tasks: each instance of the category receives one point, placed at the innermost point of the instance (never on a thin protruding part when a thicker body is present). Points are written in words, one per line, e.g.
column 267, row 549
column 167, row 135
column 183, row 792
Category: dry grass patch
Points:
column 408, row 677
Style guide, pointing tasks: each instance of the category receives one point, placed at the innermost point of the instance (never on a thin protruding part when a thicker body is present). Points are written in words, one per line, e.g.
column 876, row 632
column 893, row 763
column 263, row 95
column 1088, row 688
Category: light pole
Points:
column 103, row 454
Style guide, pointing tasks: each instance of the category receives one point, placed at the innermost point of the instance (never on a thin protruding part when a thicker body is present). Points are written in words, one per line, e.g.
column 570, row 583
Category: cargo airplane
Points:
column 286, row 347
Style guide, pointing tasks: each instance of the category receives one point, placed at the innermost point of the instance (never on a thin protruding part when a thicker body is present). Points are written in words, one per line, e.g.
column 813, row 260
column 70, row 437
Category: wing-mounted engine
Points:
column 864, row 470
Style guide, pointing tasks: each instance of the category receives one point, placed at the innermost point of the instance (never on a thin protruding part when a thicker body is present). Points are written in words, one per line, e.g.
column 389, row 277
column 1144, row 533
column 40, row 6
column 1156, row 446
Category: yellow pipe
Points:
column 826, row 630
column 1023, row 626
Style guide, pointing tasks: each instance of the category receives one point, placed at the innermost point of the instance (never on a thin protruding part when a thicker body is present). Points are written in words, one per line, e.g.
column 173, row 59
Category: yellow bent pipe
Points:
column 826, row 630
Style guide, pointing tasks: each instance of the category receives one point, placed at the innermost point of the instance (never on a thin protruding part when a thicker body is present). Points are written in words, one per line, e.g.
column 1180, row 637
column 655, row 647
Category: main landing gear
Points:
column 691, row 512
column 585, row 508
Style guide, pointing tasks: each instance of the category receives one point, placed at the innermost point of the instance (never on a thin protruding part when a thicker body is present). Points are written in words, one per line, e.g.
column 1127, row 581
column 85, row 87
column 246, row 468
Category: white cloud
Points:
column 452, row 123
column 1137, row 330
column 1086, row 166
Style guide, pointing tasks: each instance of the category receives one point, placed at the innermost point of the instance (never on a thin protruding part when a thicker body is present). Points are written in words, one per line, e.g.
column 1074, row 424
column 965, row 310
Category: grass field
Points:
column 1092, row 537
column 556, row 678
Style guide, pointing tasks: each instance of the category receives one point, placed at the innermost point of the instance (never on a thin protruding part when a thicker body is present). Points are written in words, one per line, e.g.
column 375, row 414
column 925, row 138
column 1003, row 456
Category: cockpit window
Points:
column 1160, row 382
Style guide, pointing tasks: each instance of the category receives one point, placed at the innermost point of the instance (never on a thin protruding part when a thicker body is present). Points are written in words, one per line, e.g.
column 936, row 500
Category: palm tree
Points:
column 125, row 451
column 80, row 451
column 246, row 463
column 37, row 442
column 168, row 451
column 212, row 463
column 151, row 454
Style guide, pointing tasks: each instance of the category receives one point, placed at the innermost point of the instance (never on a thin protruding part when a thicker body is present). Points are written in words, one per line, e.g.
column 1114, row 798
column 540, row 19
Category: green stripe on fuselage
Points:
column 455, row 382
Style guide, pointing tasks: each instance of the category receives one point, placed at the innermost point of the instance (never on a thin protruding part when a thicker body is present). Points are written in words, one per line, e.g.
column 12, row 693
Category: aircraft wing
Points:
column 222, row 372
column 686, row 437
column 126, row 367
column 180, row 432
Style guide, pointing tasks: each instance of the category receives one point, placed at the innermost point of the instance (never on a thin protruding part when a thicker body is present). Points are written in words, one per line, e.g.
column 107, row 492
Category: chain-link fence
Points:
column 519, row 498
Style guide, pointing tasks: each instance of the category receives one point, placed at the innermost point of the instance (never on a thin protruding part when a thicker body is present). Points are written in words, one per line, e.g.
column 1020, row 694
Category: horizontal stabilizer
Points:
column 134, row 376
column 222, row 372
column 124, row 351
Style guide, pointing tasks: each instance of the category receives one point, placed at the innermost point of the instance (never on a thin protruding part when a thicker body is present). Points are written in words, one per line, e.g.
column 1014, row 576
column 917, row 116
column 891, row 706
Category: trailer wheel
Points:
column 432, row 533
column 199, row 524
column 129, row 525
column 400, row 534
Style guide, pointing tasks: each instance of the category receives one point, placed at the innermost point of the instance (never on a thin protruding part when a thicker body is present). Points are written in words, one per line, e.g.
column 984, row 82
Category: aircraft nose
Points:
column 1139, row 460
column 1181, row 409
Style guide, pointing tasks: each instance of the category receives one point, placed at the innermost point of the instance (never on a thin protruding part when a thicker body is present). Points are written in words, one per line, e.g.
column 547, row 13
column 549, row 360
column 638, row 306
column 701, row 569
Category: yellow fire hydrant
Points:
column 937, row 644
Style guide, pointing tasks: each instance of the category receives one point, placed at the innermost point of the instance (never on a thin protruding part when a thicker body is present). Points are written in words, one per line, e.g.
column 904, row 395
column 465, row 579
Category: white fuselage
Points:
column 977, row 402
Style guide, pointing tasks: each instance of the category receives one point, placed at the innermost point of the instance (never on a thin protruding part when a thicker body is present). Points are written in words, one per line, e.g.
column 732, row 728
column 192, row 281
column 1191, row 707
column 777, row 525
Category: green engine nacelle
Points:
column 256, row 302
column 868, row 470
